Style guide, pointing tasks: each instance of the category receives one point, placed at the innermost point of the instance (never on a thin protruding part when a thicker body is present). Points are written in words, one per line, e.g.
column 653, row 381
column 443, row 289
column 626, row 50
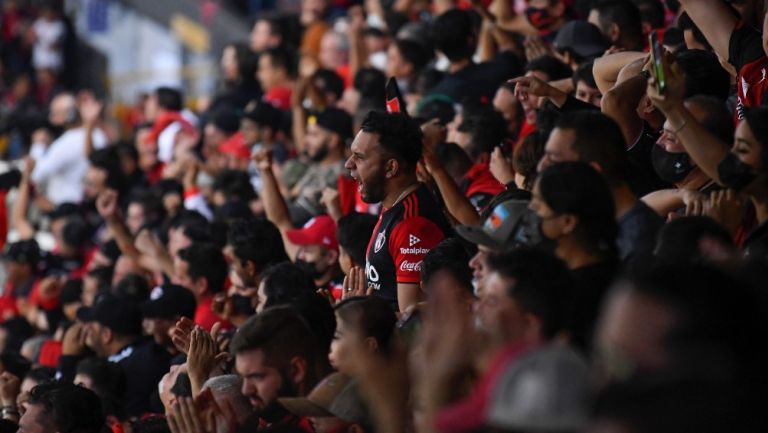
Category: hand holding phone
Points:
column 658, row 60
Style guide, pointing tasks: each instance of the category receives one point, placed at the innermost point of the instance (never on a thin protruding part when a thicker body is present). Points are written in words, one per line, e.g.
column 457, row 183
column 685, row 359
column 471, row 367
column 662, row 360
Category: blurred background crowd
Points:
column 327, row 216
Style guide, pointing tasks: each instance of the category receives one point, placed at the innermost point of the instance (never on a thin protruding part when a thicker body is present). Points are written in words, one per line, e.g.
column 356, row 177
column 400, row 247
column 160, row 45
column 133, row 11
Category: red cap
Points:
column 235, row 146
column 320, row 230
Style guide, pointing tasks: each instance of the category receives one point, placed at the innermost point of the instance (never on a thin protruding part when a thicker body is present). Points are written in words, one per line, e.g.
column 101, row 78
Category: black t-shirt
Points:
column 637, row 232
column 402, row 237
column 480, row 80
column 756, row 244
column 590, row 284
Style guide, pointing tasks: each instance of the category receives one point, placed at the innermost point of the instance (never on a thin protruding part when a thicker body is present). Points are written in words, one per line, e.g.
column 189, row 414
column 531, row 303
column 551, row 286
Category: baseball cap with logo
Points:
column 320, row 230
column 335, row 396
column 168, row 302
column 498, row 229
column 334, row 120
column 548, row 389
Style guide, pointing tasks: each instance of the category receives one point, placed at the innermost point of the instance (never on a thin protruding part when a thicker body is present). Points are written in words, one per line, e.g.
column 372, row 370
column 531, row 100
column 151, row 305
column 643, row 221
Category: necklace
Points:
column 405, row 192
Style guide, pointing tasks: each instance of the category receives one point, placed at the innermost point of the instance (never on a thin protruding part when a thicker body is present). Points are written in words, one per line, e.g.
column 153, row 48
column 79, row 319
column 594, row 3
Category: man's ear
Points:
column 647, row 28
column 106, row 335
column 355, row 428
column 331, row 257
column 613, row 33
column 201, row 286
column 250, row 268
column 569, row 223
column 533, row 325
column 391, row 168
column 371, row 344
column 596, row 166
column 298, row 368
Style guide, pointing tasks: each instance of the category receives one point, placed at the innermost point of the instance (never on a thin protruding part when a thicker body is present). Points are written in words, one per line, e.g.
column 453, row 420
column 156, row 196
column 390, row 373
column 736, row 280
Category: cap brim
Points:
column 478, row 236
column 304, row 407
column 300, row 237
column 151, row 310
column 589, row 50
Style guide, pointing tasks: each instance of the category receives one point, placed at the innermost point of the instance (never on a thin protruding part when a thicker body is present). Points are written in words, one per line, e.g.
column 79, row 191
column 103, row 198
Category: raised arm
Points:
column 107, row 206
column 703, row 147
column 456, row 202
column 715, row 20
column 90, row 111
column 606, row 69
column 19, row 220
column 620, row 104
column 274, row 203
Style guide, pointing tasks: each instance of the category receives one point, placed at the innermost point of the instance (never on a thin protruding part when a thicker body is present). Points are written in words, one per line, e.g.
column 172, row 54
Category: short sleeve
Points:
column 745, row 46
column 410, row 241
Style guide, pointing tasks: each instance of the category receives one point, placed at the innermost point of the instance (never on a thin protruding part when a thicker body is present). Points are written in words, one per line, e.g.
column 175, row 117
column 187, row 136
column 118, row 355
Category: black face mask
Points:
column 530, row 233
column 242, row 305
column 735, row 174
column 671, row 167
column 309, row 268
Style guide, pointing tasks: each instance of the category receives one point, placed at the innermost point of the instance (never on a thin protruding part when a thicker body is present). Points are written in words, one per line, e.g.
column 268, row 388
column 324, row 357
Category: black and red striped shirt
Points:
column 401, row 238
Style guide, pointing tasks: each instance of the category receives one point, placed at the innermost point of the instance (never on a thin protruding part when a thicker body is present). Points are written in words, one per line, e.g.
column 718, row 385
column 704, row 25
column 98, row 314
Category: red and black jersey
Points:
column 401, row 238
column 747, row 55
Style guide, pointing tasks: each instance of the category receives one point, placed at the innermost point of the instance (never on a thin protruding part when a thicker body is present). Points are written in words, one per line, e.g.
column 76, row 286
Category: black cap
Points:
column 226, row 120
column 581, row 37
column 24, row 252
column 264, row 114
column 169, row 301
column 121, row 316
column 334, row 120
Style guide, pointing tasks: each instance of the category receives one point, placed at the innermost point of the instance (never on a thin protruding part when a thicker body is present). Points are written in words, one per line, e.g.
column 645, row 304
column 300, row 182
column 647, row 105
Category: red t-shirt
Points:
column 746, row 54
column 206, row 318
column 470, row 413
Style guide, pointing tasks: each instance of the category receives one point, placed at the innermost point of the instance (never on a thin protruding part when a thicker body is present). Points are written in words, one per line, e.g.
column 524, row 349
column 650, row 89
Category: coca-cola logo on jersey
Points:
column 410, row 266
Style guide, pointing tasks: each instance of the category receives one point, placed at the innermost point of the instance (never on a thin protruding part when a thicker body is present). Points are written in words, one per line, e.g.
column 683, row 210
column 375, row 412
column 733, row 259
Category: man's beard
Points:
column 320, row 154
column 274, row 411
column 374, row 190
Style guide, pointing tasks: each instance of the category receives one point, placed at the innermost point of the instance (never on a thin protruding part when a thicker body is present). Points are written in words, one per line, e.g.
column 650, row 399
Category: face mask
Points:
column 530, row 233
column 671, row 167
column 735, row 174
column 242, row 305
column 309, row 268
column 539, row 17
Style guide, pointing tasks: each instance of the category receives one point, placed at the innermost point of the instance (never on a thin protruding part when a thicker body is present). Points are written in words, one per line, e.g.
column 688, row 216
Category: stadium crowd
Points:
column 395, row 216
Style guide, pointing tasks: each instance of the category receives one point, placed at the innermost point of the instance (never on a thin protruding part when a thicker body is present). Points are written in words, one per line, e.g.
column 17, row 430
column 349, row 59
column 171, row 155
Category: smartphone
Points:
column 657, row 58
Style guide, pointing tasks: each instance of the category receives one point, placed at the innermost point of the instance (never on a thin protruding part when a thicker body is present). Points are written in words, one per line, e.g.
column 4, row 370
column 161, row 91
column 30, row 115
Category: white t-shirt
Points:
column 46, row 53
column 63, row 166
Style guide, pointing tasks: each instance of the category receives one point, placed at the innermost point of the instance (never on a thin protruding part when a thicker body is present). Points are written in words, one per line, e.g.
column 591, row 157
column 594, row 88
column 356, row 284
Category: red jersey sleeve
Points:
column 410, row 241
